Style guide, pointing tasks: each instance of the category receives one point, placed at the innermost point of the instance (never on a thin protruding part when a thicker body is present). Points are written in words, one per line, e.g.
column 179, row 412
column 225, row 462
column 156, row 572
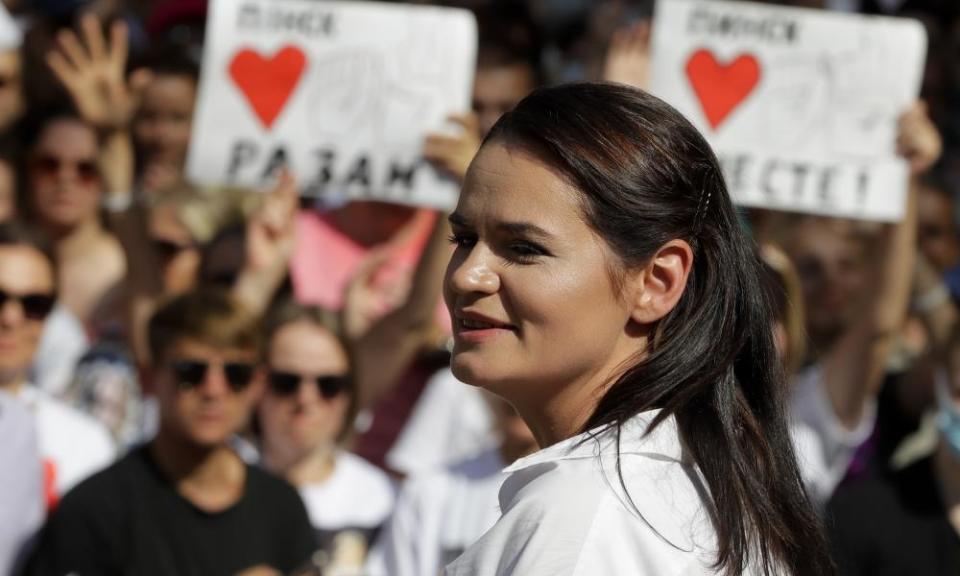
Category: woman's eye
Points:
column 462, row 240
column 524, row 252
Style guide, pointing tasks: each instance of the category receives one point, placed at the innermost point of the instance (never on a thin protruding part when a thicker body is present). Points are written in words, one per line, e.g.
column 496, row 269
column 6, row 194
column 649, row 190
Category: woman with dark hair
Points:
column 602, row 284
column 304, row 416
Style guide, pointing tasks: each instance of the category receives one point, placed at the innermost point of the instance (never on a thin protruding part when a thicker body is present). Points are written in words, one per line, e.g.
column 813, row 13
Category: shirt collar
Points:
column 662, row 442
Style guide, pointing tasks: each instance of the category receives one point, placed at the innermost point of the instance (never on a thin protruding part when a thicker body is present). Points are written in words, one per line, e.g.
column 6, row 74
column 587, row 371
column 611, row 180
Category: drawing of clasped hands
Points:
column 346, row 93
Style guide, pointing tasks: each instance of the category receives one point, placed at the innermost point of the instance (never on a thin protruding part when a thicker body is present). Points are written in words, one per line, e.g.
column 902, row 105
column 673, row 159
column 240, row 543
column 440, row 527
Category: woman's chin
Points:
column 471, row 371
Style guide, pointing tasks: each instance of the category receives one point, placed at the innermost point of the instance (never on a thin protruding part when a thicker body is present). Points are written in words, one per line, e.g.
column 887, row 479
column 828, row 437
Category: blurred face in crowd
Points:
column 206, row 393
column 26, row 297
column 64, row 179
column 497, row 89
column 179, row 256
column 830, row 262
column 937, row 230
column 8, row 191
column 529, row 286
column 162, row 128
column 307, row 397
column 11, row 88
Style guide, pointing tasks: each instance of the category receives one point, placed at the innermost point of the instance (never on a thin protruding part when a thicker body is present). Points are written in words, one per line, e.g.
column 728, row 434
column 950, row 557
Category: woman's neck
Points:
column 567, row 407
column 312, row 467
column 75, row 238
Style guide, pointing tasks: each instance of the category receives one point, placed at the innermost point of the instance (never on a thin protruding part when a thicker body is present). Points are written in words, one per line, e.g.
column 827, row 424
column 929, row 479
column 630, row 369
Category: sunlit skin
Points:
column 162, row 127
column 937, row 231
column 538, row 318
column 178, row 269
column 206, row 416
column 304, row 424
column 65, row 200
column 830, row 263
column 8, row 191
column 11, row 88
column 497, row 89
column 23, row 270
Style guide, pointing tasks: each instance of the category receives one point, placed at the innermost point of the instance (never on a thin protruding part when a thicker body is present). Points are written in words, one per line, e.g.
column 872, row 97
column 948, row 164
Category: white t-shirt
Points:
column 348, row 511
column 566, row 514
column 824, row 446
column 356, row 495
column 72, row 444
column 439, row 515
column 62, row 344
column 21, row 498
column 450, row 423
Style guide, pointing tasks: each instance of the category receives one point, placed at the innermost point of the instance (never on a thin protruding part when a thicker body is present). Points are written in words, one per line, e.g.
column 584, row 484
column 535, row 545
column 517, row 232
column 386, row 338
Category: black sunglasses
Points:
column 87, row 170
column 288, row 383
column 35, row 306
column 191, row 373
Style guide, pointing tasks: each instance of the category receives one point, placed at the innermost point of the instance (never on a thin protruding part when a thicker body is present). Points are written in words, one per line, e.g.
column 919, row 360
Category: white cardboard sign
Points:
column 342, row 92
column 800, row 105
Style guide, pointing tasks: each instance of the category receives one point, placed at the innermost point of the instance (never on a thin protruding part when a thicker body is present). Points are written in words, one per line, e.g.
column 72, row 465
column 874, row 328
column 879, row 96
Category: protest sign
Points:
column 342, row 92
column 800, row 105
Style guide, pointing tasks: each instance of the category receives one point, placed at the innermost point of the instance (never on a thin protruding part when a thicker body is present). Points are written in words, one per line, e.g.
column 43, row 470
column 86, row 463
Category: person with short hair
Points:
column 72, row 445
column 186, row 503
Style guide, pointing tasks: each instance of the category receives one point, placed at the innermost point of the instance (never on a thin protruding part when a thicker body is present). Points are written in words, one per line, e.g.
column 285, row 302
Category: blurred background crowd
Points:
column 137, row 309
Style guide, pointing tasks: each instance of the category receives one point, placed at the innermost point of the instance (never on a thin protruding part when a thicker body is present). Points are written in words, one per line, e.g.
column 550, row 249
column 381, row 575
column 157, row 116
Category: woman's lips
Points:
column 474, row 327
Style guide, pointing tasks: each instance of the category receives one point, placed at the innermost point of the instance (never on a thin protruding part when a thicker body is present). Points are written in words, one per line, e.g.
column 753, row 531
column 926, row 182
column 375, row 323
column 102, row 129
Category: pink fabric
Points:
column 325, row 260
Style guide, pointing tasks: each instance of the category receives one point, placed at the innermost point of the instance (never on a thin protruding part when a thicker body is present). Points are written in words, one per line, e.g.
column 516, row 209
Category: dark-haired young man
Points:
column 185, row 503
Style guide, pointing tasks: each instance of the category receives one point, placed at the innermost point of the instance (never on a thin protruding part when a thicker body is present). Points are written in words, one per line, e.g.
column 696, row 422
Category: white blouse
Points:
column 565, row 511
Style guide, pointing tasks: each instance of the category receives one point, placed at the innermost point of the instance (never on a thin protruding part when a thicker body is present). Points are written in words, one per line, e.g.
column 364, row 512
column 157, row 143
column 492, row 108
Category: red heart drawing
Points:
column 721, row 88
column 268, row 83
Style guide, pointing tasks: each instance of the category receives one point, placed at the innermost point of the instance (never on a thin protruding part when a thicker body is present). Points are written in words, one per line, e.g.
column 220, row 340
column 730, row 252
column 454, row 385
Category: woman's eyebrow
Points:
column 524, row 229
column 516, row 228
column 457, row 219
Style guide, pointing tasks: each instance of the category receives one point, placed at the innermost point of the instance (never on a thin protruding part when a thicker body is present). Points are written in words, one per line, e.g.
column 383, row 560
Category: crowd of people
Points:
column 200, row 380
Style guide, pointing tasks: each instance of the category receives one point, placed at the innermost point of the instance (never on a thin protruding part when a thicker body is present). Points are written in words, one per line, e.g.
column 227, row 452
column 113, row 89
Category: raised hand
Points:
column 365, row 300
column 453, row 154
column 919, row 141
column 270, row 232
column 94, row 73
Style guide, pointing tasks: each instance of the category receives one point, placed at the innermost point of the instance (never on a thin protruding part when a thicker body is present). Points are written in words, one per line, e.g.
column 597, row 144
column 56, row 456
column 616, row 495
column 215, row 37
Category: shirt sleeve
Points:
column 74, row 541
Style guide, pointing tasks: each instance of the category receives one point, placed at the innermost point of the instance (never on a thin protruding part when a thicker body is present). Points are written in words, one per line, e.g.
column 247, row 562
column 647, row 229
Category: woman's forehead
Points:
column 510, row 183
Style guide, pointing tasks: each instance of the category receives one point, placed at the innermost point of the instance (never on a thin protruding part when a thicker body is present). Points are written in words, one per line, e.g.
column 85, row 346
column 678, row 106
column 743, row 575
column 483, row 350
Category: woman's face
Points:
column 304, row 420
column 830, row 264
column 162, row 127
column 64, row 179
column 529, row 285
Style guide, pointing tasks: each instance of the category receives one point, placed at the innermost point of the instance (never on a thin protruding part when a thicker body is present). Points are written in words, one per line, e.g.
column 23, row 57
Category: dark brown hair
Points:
column 208, row 316
column 647, row 177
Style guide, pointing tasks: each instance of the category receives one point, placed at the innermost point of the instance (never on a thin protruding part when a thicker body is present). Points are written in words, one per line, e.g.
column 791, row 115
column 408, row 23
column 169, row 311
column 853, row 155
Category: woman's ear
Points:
column 657, row 287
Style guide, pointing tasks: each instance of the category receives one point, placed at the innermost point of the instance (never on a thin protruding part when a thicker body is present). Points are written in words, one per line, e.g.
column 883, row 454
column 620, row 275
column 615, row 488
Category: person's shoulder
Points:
column 57, row 419
column 106, row 490
column 883, row 495
column 272, row 494
column 365, row 475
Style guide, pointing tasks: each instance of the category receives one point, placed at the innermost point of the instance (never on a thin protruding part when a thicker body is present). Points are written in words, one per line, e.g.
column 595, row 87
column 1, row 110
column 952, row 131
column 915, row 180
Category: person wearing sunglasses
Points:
column 72, row 445
column 185, row 502
column 304, row 416
column 64, row 189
